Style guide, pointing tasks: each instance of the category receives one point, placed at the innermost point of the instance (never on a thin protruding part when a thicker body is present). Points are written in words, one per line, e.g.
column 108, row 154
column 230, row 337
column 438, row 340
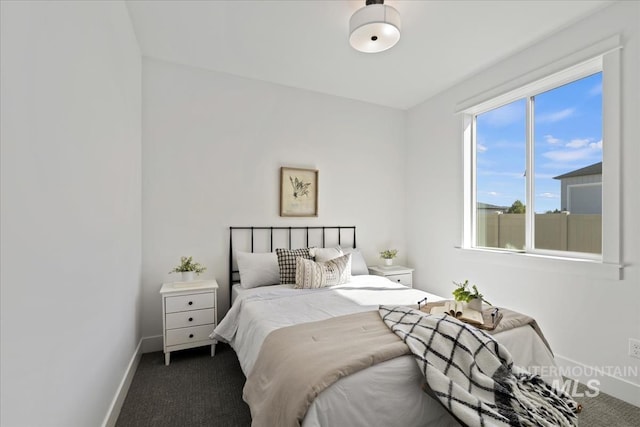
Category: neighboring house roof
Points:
column 594, row 169
column 490, row 206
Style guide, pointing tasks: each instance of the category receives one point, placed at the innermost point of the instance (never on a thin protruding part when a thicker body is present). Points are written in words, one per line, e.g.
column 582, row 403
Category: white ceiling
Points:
column 304, row 43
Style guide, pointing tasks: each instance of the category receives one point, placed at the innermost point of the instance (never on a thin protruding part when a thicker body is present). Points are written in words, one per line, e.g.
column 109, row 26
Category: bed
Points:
column 389, row 393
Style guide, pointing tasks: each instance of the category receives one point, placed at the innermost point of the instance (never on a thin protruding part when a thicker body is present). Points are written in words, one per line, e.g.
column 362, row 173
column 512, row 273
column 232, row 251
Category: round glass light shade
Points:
column 374, row 28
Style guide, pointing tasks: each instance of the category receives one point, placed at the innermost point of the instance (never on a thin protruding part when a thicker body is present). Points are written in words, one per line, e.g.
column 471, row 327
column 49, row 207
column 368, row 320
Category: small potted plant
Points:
column 187, row 267
column 472, row 296
column 388, row 256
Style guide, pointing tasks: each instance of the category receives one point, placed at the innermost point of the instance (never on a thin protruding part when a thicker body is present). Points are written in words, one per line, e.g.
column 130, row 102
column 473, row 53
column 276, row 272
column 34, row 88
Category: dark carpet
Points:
column 194, row 390
column 199, row 390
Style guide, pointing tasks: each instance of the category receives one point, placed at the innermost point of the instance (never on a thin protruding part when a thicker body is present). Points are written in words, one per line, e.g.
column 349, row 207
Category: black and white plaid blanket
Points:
column 473, row 375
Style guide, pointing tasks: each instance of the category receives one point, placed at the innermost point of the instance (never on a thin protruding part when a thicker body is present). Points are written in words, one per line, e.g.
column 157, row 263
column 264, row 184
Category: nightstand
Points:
column 395, row 273
column 189, row 313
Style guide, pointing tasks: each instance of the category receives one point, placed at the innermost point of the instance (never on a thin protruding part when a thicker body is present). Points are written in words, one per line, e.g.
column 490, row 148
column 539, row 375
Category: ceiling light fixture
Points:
column 375, row 27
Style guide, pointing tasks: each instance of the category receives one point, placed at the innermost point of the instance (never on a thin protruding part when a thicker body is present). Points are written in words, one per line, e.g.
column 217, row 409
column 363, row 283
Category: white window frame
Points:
column 603, row 56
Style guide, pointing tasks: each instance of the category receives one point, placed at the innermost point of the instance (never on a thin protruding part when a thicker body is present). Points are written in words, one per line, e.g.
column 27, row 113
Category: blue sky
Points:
column 567, row 135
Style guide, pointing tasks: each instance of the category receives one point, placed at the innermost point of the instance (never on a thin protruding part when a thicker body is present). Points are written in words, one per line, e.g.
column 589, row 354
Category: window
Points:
column 542, row 165
column 557, row 135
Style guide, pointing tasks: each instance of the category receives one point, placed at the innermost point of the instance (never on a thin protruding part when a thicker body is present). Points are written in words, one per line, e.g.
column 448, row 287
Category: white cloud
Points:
column 549, row 175
column 509, row 145
column 551, row 139
column 549, row 195
column 566, row 156
column 576, row 149
column 596, row 90
column 578, row 143
column 574, row 154
column 481, row 148
column 493, row 193
column 556, row 116
column 505, row 115
column 490, row 172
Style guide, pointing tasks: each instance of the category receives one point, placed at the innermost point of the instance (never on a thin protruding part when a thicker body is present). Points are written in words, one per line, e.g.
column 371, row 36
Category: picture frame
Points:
column 298, row 192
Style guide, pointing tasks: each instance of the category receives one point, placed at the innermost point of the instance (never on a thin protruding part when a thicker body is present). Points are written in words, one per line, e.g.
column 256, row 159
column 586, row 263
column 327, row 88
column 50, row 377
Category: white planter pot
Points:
column 187, row 276
column 475, row 304
column 388, row 261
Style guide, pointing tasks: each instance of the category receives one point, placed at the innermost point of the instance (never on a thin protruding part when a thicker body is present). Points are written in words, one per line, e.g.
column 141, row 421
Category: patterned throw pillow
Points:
column 287, row 263
column 310, row 274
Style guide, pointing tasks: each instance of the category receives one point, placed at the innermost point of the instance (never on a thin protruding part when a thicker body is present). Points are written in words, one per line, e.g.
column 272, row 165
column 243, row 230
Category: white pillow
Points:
column 325, row 254
column 358, row 264
column 258, row 269
column 311, row 275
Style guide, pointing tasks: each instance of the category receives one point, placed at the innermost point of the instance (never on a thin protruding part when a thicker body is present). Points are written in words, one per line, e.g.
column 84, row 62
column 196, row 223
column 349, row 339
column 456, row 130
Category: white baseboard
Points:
column 615, row 386
column 151, row 344
column 146, row 345
column 123, row 389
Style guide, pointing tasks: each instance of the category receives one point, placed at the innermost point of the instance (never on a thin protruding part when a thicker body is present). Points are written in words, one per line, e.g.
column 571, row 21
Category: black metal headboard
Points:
column 324, row 235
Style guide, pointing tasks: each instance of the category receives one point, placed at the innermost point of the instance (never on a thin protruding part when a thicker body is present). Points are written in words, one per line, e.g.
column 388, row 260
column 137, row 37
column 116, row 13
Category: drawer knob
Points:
column 190, row 302
column 190, row 319
column 190, row 335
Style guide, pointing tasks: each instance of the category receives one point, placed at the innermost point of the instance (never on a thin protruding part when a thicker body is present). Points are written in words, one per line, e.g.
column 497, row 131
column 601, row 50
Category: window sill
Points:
column 582, row 267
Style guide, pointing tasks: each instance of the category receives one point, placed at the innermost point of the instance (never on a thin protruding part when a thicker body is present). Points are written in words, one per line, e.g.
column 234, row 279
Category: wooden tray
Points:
column 489, row 323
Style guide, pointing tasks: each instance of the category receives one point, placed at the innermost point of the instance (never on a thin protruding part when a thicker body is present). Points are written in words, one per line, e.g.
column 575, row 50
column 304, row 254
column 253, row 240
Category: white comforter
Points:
column 387, row 394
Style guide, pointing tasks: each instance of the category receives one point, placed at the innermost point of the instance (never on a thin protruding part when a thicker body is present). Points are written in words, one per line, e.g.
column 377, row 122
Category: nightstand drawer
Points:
column 187, row 335
column 185, row 319
column 403, row 279
column 190, row 302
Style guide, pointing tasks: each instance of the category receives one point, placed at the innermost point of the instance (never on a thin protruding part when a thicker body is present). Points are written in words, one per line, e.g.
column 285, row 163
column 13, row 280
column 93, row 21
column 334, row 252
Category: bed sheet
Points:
column 386, row 394
column 236, row 290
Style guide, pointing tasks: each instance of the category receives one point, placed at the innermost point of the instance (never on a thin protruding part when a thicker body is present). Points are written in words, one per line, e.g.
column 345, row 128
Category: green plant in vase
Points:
column 187, row 267
column 472, row 296
column 388, row 256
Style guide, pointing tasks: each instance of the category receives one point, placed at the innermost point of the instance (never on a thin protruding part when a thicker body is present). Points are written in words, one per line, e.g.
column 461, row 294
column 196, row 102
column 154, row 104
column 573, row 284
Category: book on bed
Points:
column 459, row 310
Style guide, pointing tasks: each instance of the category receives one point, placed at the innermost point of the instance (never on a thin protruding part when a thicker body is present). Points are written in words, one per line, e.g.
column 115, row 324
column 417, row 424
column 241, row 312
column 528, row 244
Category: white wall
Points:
column 574, row 310
column 71, row 209
column 213, row 145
